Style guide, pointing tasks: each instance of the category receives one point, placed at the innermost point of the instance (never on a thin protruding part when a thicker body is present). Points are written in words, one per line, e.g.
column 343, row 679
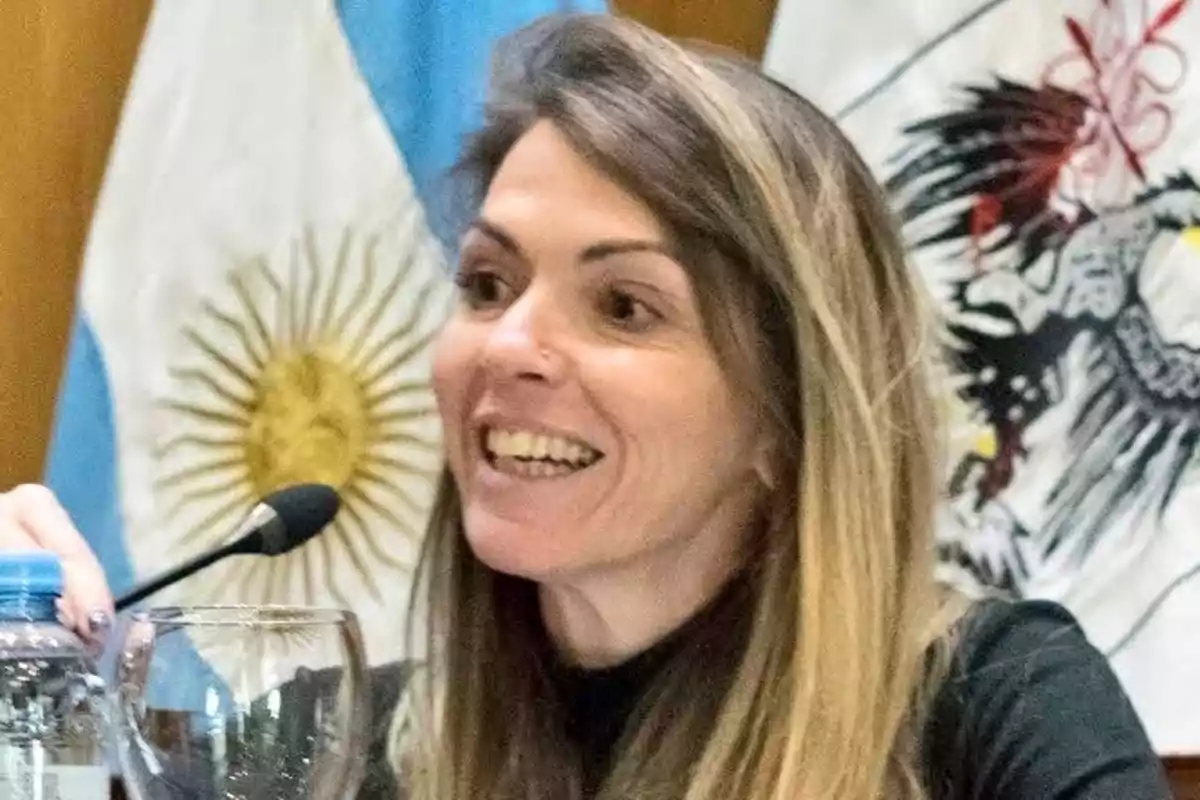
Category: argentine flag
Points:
column 266, row 267
column 1044, row 159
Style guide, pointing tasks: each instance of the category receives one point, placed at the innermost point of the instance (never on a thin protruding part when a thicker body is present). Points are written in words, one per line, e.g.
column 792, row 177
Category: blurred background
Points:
column 1041, row 159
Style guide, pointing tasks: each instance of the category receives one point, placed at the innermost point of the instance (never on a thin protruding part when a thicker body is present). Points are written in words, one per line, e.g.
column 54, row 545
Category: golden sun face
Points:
column 313, row 367
column 311, row 422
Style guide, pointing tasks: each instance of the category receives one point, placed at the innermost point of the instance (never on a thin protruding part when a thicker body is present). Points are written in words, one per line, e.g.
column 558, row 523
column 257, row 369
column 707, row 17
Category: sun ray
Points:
column 268, row 581
column 356, row 560
column 210, row 590
column 420, row 343
column 359, row 494
column 250, row 568
column 198, row 440
column 331, row 581
column 263, row 268
column 203, row 589
column 361, row 293
column 402, row 332
column 253, row 317
column 370, row 323
column 238, row 329
column 235, row 483
column 373, row 546
column 314, row 281
column 335, row 286
column 401, row 437
column 368, row 475
column 287, row 563
column 402, row 465
column 293, row 288
column 217, row 593
column 404, row 415
column 203, row 469
column 193, row 375
column 310, row 589
column 411, row 534
column 214, row 354
column 205, row 414
column 279, row 315
column 384, row 394
column 209, row 522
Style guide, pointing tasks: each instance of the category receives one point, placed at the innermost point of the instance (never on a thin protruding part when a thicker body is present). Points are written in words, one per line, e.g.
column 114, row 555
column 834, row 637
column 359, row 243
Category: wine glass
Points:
column 240, row 703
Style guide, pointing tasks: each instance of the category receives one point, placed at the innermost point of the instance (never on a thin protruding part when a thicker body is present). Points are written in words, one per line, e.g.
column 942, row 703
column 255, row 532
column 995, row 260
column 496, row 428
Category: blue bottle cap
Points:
column 30, row 572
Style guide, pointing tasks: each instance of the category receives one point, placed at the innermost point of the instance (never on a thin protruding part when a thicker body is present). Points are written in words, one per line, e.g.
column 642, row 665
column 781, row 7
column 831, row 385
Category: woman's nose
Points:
column 525, row 342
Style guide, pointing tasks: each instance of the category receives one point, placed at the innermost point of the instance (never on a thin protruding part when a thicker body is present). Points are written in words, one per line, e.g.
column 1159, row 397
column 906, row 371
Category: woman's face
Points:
column 588, row 425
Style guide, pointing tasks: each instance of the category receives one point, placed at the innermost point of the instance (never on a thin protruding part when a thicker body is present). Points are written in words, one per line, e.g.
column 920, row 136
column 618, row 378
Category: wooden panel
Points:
column 740, row 24
column 63, row 70
column 1185, row 776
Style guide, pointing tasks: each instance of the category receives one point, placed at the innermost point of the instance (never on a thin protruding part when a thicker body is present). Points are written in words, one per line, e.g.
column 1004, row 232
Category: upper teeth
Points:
column 526, row 444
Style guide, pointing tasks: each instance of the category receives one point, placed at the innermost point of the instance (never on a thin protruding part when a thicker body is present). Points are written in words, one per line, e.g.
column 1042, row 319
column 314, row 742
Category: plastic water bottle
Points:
column 52, row 721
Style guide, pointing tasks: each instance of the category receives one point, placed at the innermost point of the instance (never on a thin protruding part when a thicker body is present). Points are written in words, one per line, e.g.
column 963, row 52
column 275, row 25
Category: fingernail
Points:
column 99, row 623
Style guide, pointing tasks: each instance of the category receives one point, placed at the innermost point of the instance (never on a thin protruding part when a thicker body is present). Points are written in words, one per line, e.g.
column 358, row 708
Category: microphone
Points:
column 283, row 521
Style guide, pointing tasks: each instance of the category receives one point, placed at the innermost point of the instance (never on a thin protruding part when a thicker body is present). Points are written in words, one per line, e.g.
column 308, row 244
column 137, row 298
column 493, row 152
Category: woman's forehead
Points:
column 544, row 184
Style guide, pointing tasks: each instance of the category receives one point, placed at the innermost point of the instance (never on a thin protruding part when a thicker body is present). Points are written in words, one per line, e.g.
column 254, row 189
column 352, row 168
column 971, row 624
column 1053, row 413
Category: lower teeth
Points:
column 538, row 468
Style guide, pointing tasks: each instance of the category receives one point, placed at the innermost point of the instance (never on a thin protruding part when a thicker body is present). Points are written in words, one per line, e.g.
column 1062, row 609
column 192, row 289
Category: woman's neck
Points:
column 605, row 618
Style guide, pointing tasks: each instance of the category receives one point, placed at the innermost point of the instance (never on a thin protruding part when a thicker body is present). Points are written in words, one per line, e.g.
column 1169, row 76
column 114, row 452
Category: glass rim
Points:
column 237, row 615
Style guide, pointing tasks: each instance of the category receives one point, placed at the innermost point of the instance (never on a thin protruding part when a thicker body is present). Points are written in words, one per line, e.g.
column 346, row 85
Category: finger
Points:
column 13, row 535
column 38, row 512
column 66, row 614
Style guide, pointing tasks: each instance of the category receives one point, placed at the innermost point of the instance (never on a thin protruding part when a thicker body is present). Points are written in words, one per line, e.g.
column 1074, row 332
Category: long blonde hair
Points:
column 821, row 678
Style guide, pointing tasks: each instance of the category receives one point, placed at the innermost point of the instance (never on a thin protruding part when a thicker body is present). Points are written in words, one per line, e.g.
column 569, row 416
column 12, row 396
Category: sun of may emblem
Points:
column 309, row 366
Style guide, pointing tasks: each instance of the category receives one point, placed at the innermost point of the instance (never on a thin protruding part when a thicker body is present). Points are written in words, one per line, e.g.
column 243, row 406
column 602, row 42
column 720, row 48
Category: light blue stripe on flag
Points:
column 426, row 62
column 80, row 465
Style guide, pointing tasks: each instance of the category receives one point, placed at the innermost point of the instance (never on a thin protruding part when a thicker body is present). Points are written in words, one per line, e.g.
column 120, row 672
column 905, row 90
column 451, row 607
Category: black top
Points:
column 1033, row 711
column 1030, row 711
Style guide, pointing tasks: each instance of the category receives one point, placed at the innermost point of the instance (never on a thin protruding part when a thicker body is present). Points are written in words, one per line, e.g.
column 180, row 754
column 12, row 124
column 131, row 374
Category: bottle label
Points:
column 57, row 782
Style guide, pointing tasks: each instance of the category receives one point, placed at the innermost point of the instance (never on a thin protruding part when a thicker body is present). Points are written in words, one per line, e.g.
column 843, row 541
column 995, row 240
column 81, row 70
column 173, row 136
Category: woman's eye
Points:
column 482, row 288
column 626, row 311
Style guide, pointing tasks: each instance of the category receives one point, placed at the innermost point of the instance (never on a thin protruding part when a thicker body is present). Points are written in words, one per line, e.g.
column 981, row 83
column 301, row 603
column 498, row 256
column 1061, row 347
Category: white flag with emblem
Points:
column 1044, row 159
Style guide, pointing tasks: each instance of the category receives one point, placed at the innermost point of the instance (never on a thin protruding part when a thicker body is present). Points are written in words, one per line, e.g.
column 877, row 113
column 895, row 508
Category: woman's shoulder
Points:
column 1030, row 709
column 1000, row 635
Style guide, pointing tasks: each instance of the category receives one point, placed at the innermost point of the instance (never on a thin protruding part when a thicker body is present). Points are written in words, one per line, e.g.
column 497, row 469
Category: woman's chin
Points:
column 523, row 551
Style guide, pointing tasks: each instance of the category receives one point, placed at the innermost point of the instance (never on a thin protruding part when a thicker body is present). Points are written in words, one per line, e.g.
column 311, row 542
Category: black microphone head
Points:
column 302, row 512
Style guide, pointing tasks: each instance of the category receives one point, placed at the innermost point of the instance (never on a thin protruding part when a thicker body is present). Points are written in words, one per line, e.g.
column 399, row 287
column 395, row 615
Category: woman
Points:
column 682, row 544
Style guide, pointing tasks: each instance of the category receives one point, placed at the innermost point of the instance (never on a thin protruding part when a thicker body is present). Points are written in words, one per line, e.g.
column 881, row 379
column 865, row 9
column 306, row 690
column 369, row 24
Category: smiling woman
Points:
column 681, row 545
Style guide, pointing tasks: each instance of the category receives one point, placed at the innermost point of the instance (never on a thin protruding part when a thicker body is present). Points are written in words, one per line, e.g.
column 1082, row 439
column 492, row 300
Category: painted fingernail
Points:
column 99, row 623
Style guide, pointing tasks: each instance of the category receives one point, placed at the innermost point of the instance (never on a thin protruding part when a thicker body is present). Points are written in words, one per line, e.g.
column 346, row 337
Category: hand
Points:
column 31, row 518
